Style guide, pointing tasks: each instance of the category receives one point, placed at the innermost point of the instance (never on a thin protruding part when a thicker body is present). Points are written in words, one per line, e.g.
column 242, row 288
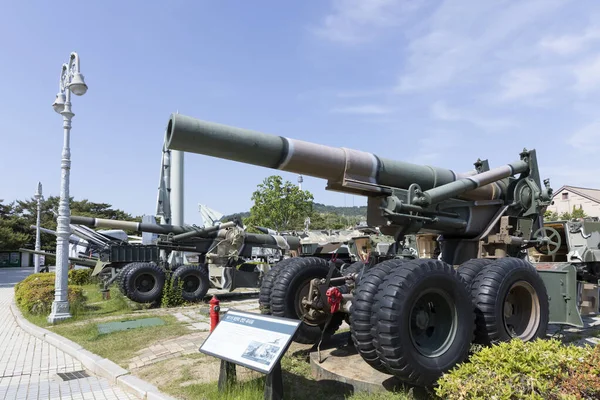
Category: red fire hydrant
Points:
column 214, row 312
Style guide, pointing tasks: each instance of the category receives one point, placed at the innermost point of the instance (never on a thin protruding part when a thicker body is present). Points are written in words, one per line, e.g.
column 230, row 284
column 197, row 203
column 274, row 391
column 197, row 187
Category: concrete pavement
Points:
column 33, row 369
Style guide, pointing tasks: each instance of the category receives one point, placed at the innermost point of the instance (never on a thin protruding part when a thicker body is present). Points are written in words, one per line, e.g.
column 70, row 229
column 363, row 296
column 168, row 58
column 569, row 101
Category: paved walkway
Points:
column 32, row 369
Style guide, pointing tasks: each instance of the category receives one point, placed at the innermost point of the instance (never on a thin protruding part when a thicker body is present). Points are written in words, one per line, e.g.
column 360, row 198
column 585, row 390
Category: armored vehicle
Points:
column 221, row 252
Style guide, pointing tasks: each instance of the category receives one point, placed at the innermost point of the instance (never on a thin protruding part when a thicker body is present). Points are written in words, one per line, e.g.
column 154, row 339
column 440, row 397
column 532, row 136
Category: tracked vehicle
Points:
column 411, row 317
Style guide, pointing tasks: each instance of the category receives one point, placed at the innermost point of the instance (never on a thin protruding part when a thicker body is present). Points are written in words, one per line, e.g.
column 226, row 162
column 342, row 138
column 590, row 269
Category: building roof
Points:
column 591, row 194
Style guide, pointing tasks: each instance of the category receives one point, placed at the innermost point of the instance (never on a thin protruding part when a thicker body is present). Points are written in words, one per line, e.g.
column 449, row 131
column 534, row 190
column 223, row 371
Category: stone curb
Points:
column 100, row 366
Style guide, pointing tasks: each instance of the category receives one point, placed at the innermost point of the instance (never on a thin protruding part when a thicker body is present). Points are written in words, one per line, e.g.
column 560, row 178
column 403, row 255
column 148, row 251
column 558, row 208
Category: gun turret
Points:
column 403, row 198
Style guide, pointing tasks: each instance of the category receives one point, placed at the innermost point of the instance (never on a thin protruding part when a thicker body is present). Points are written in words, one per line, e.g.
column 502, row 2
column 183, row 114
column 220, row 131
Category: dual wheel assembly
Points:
column 284, row 287
column 144, row 282
column 417, row 319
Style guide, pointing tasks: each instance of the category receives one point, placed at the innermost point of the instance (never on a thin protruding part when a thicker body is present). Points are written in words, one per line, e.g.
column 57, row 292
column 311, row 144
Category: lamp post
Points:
column 38, row 197
column 71, row 80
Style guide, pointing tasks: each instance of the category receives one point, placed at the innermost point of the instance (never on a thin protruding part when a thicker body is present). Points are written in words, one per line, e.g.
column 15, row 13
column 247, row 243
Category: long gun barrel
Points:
column 346, row 169
column 181, row 232
column 72, row 239
column 403, row 198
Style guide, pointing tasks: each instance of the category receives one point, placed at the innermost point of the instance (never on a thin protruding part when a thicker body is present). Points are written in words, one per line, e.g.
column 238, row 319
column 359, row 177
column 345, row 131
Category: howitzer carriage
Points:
column 140, row 270
column 415, row 317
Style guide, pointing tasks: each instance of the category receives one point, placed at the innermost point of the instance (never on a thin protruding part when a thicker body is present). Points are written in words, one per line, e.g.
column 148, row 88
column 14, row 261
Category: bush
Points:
column 516, row 370
column 35, row 294
column 80, row 277
column 171, row 296
column 580, row 381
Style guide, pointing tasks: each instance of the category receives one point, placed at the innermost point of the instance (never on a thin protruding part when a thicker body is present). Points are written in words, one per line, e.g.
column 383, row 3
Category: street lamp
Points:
column 38, row 197
column 71, row 80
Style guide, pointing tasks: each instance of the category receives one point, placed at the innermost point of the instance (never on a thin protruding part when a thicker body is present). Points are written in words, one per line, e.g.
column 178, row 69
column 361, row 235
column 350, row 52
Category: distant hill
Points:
column 356, row 211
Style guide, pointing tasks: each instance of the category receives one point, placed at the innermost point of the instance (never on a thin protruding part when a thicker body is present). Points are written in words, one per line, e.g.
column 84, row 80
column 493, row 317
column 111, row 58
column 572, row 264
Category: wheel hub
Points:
column 433, row 322
column 521, row 312
column 306, row 312
column 144, row 283
column 422, row 319
column 191, row 283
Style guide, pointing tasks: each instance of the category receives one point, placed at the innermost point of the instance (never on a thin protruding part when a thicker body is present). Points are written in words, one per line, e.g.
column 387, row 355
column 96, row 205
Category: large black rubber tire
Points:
column 489, row 292
column 195, row 282
column 266, row 286
column 469, row 269
column 120, row 281
column 144, row 283
column 353, row 268
column 362, row 311
column 398, row 295
column 285, row 298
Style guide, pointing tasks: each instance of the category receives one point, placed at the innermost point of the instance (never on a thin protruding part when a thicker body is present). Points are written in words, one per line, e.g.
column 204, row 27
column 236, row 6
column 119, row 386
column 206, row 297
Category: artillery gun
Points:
column 221, row 250
column 349, row 246
column 84, row 244
column 415, row 318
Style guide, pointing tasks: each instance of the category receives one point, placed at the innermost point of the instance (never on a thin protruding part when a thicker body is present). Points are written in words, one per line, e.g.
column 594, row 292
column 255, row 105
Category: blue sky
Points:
column 430, row 82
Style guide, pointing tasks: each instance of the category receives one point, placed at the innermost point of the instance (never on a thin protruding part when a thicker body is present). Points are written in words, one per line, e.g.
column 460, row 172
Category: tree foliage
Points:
column 16, row 219
column 279, row 205
column 12, row 234
column 333, row 221
column 554, row 216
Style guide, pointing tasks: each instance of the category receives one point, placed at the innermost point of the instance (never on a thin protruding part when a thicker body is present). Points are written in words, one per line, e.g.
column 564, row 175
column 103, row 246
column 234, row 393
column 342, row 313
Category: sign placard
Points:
column 255, row 341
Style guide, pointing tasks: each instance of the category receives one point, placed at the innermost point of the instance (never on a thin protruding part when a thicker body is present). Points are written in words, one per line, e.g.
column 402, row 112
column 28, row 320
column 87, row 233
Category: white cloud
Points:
column 570, row 44
column 361, row 93
column 520, row 83
column 434, row 146
column 575, row 175
column 359, row 21
column 440, row 111
column 464, row 41
column 362, row 109
column 587, row 139
column 587, row 75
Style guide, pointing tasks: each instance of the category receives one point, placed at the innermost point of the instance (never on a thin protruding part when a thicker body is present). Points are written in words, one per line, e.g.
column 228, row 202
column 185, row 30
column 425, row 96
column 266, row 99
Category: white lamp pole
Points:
column 38, row 247
column 71, row 80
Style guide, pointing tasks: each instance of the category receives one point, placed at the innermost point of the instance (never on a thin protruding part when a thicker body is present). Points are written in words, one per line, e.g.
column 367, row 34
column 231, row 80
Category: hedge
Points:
column 541, row 369
column 35, row 294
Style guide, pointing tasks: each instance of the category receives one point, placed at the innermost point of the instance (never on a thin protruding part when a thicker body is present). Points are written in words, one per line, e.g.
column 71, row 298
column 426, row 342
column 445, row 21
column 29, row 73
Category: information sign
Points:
column 255, row 341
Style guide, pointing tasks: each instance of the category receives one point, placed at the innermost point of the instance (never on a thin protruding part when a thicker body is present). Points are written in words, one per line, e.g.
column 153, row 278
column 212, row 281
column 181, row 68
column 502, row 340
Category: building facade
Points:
column 568, row 197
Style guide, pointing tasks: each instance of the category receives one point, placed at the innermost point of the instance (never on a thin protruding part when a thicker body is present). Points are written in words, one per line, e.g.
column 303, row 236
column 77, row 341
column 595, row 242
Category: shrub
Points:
column 580, row 381
column 35, row 294
column 80, row 277
column 171, row 296
column 515, row 370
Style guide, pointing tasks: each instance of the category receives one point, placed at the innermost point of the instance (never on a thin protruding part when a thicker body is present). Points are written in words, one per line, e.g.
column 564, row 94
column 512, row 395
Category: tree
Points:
column 11, row 227
column 554, row 216
column 279, row 205
column 332, row 221
column 17, row 217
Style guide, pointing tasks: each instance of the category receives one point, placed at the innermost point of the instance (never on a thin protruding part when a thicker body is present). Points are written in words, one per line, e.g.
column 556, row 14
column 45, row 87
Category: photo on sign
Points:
column 261, row 352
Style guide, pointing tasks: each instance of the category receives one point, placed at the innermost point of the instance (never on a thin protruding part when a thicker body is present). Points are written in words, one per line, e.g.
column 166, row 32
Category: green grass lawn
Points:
column 187, row 381
column 118, row 347
column 183, row 381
